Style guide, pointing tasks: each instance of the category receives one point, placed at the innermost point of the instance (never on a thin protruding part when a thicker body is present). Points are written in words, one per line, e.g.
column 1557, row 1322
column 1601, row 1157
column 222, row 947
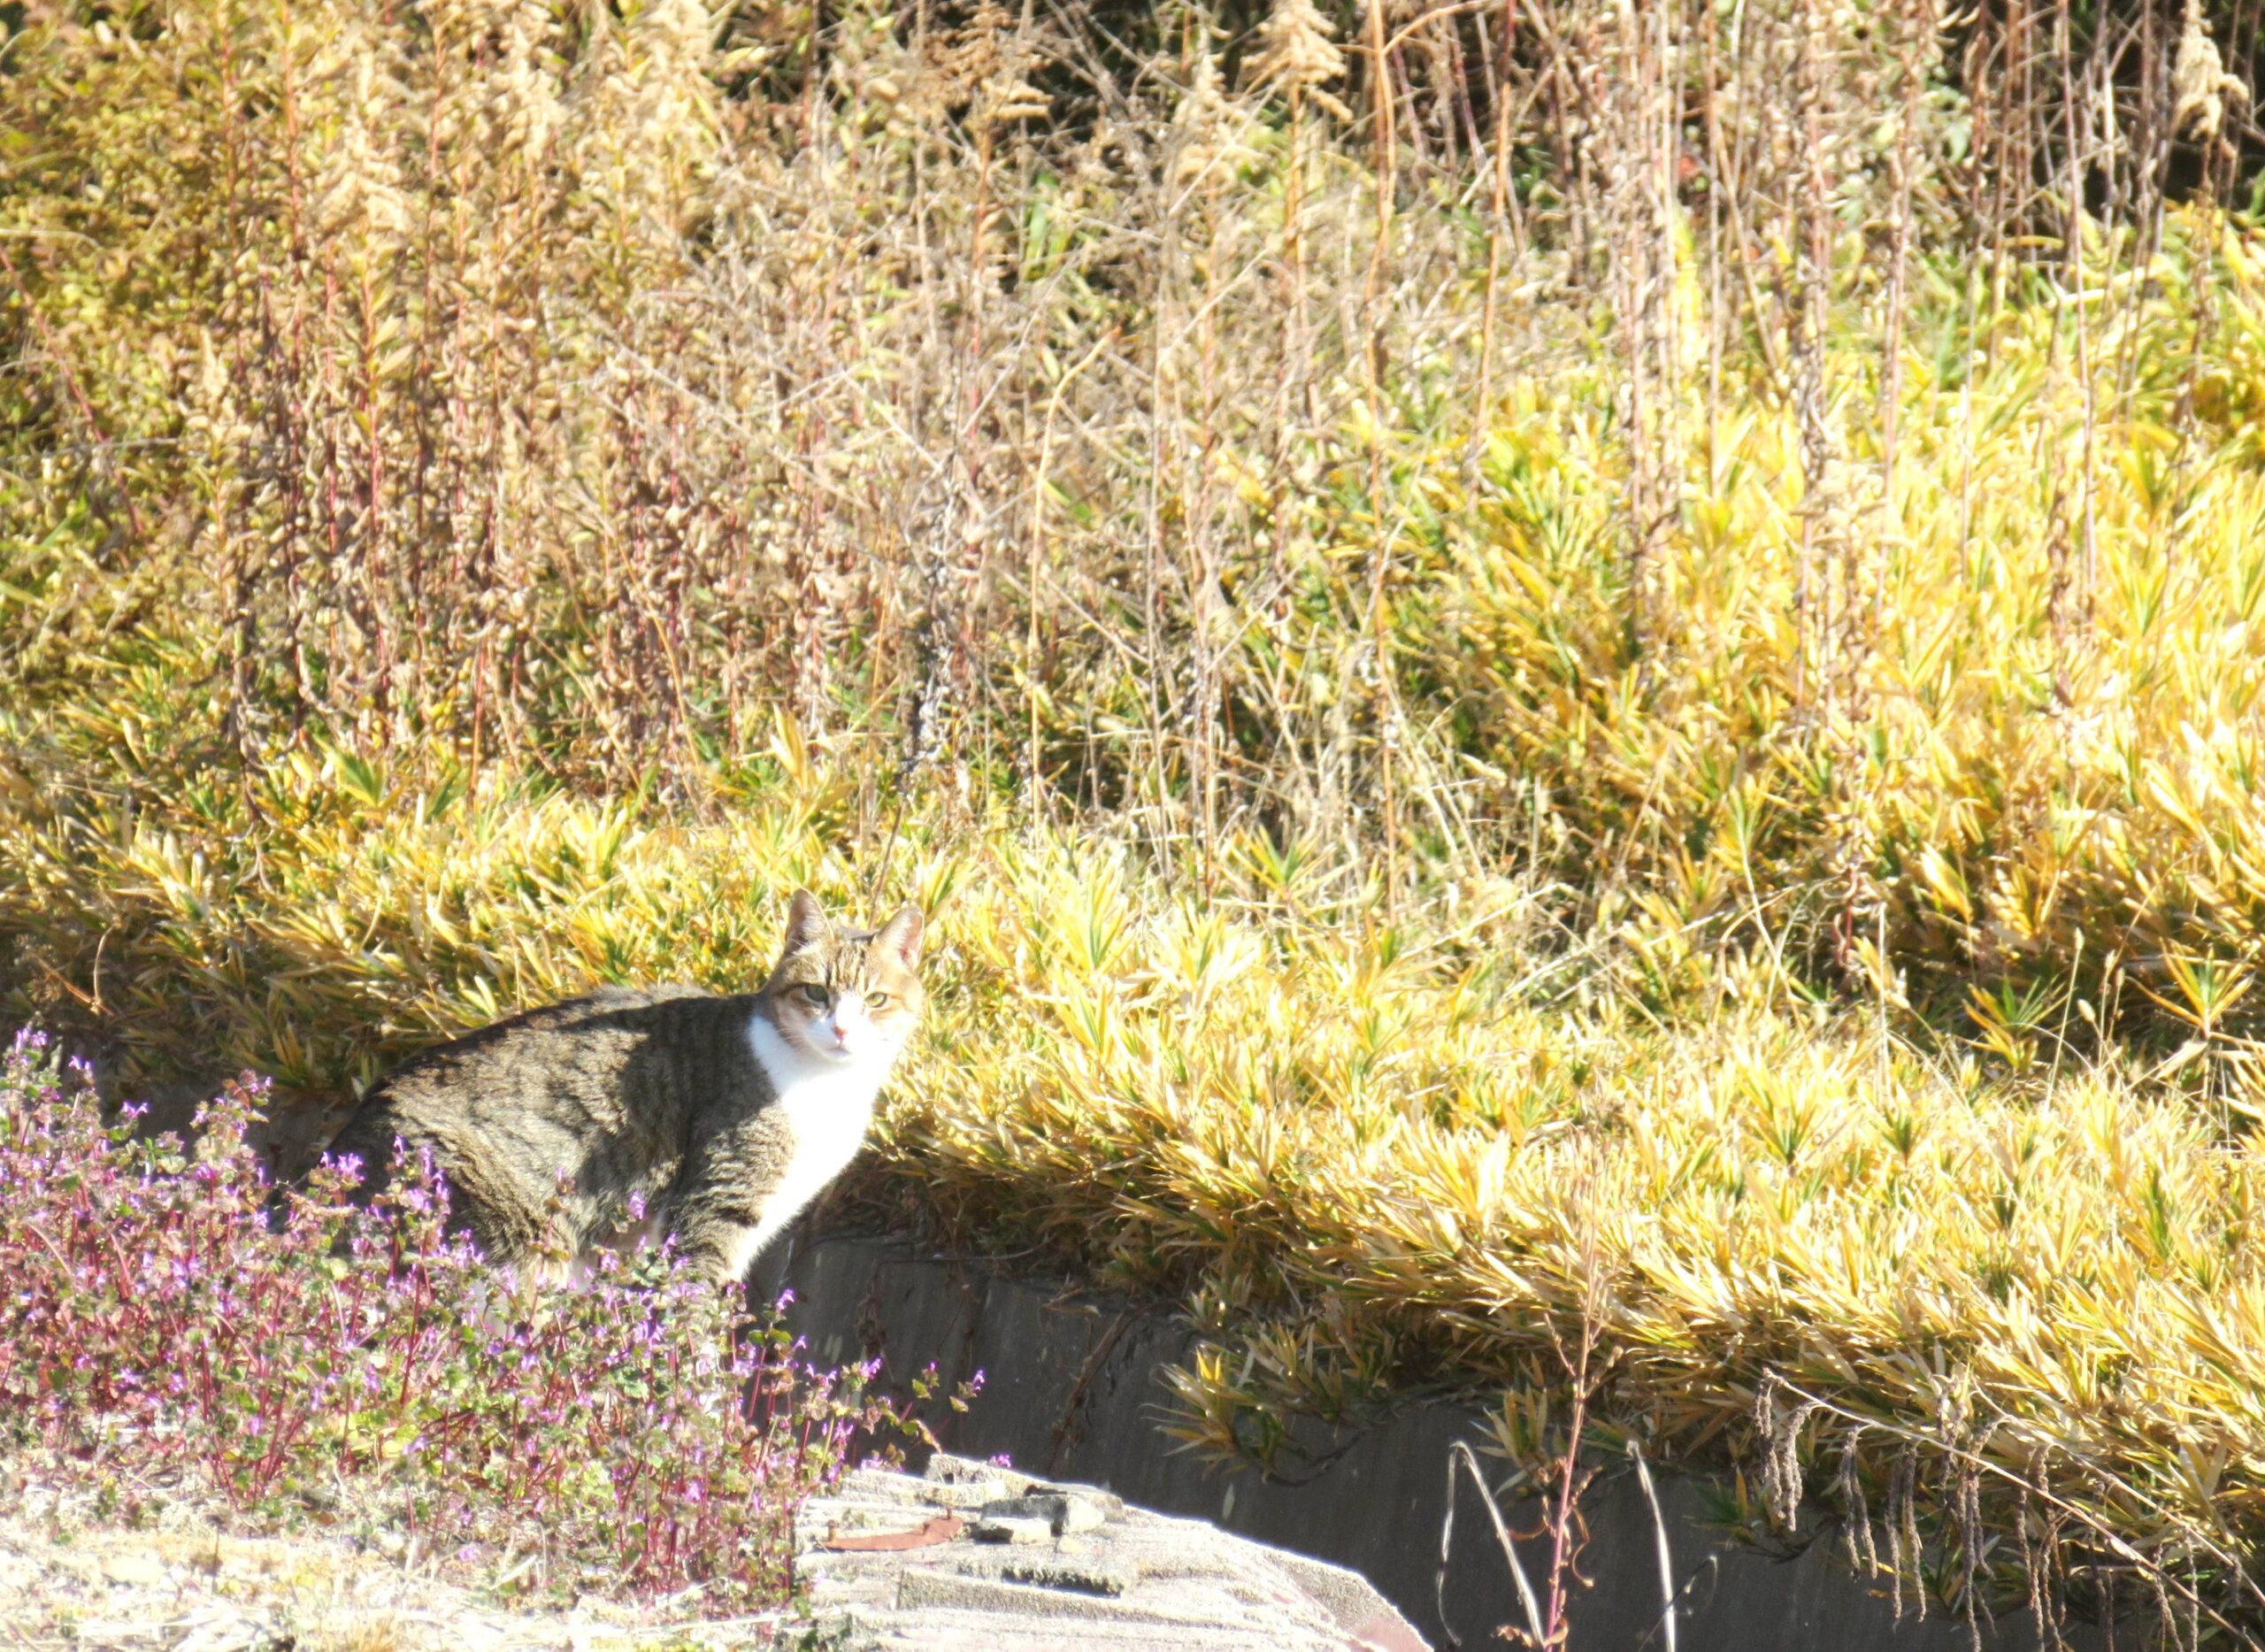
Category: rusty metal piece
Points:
column 942, row 1529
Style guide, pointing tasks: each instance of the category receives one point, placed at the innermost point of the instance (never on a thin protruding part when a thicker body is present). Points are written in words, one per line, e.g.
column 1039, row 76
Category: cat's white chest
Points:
column 829, row 1107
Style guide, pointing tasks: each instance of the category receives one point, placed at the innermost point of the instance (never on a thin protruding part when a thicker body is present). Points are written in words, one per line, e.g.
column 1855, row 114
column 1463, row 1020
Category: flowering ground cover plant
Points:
column 170, row 1322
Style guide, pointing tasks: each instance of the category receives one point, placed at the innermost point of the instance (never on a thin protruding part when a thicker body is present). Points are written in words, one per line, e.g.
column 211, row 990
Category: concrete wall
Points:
column 1072, row 1390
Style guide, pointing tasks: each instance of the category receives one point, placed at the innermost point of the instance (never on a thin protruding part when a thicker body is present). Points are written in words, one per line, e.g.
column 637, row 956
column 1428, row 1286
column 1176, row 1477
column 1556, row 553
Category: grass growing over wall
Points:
column 1369, row 1158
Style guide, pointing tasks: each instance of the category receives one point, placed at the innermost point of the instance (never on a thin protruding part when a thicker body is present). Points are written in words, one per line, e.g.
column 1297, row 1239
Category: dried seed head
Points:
column 1007, row 98
column 985, row 65
column 522, row 104
column 1207, row 127
column 2199, row 83
column 359, row 190
column 1297, row 54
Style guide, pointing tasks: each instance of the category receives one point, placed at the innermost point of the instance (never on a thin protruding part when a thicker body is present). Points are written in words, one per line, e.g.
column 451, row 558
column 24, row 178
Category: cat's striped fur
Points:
column 718, row 1116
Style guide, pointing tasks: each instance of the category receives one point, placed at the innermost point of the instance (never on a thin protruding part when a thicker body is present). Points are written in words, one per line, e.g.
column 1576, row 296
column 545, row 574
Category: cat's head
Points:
column 846, row 995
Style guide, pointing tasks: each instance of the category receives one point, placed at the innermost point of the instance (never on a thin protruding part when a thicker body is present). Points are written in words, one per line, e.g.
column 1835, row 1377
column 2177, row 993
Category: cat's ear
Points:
column 805, row 920
column 901, row 936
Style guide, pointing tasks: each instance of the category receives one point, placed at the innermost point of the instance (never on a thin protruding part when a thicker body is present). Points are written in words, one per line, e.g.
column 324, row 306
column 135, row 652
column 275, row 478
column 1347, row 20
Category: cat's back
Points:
column 601, row 1090
column 588, row 1058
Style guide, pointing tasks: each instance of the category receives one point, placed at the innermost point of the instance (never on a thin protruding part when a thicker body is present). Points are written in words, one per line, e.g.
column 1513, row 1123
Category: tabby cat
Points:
column 713, row 1118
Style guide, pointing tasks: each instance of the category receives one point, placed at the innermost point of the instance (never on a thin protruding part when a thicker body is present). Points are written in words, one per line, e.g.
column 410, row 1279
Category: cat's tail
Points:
column 368, row 1147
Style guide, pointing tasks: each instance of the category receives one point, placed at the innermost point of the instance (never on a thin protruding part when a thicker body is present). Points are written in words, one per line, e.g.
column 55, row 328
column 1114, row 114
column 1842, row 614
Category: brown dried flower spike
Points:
column 1297, row 55
column 989, row 59
column 2200, row 83
column 1209, row 127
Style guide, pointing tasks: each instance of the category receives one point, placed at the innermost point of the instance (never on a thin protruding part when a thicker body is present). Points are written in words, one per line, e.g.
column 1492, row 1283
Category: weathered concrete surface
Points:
column 70, row 1582
column 974, row 1557
column 1072, row 1388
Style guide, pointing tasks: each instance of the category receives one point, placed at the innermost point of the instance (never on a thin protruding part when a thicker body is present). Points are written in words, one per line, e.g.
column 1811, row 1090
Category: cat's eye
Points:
column 816, row 995
column 876, row 1000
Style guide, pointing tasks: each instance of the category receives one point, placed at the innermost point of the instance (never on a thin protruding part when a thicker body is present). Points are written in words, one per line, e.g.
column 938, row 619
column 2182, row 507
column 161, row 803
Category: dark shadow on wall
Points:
column 1071, row 1389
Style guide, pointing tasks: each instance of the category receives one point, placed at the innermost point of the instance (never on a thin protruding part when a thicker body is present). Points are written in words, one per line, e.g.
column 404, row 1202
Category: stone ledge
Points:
column 977, row 1556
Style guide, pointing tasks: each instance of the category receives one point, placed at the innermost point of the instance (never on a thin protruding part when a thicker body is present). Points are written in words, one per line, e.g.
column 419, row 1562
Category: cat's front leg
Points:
column 726, row 1205
column 719, row 1243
